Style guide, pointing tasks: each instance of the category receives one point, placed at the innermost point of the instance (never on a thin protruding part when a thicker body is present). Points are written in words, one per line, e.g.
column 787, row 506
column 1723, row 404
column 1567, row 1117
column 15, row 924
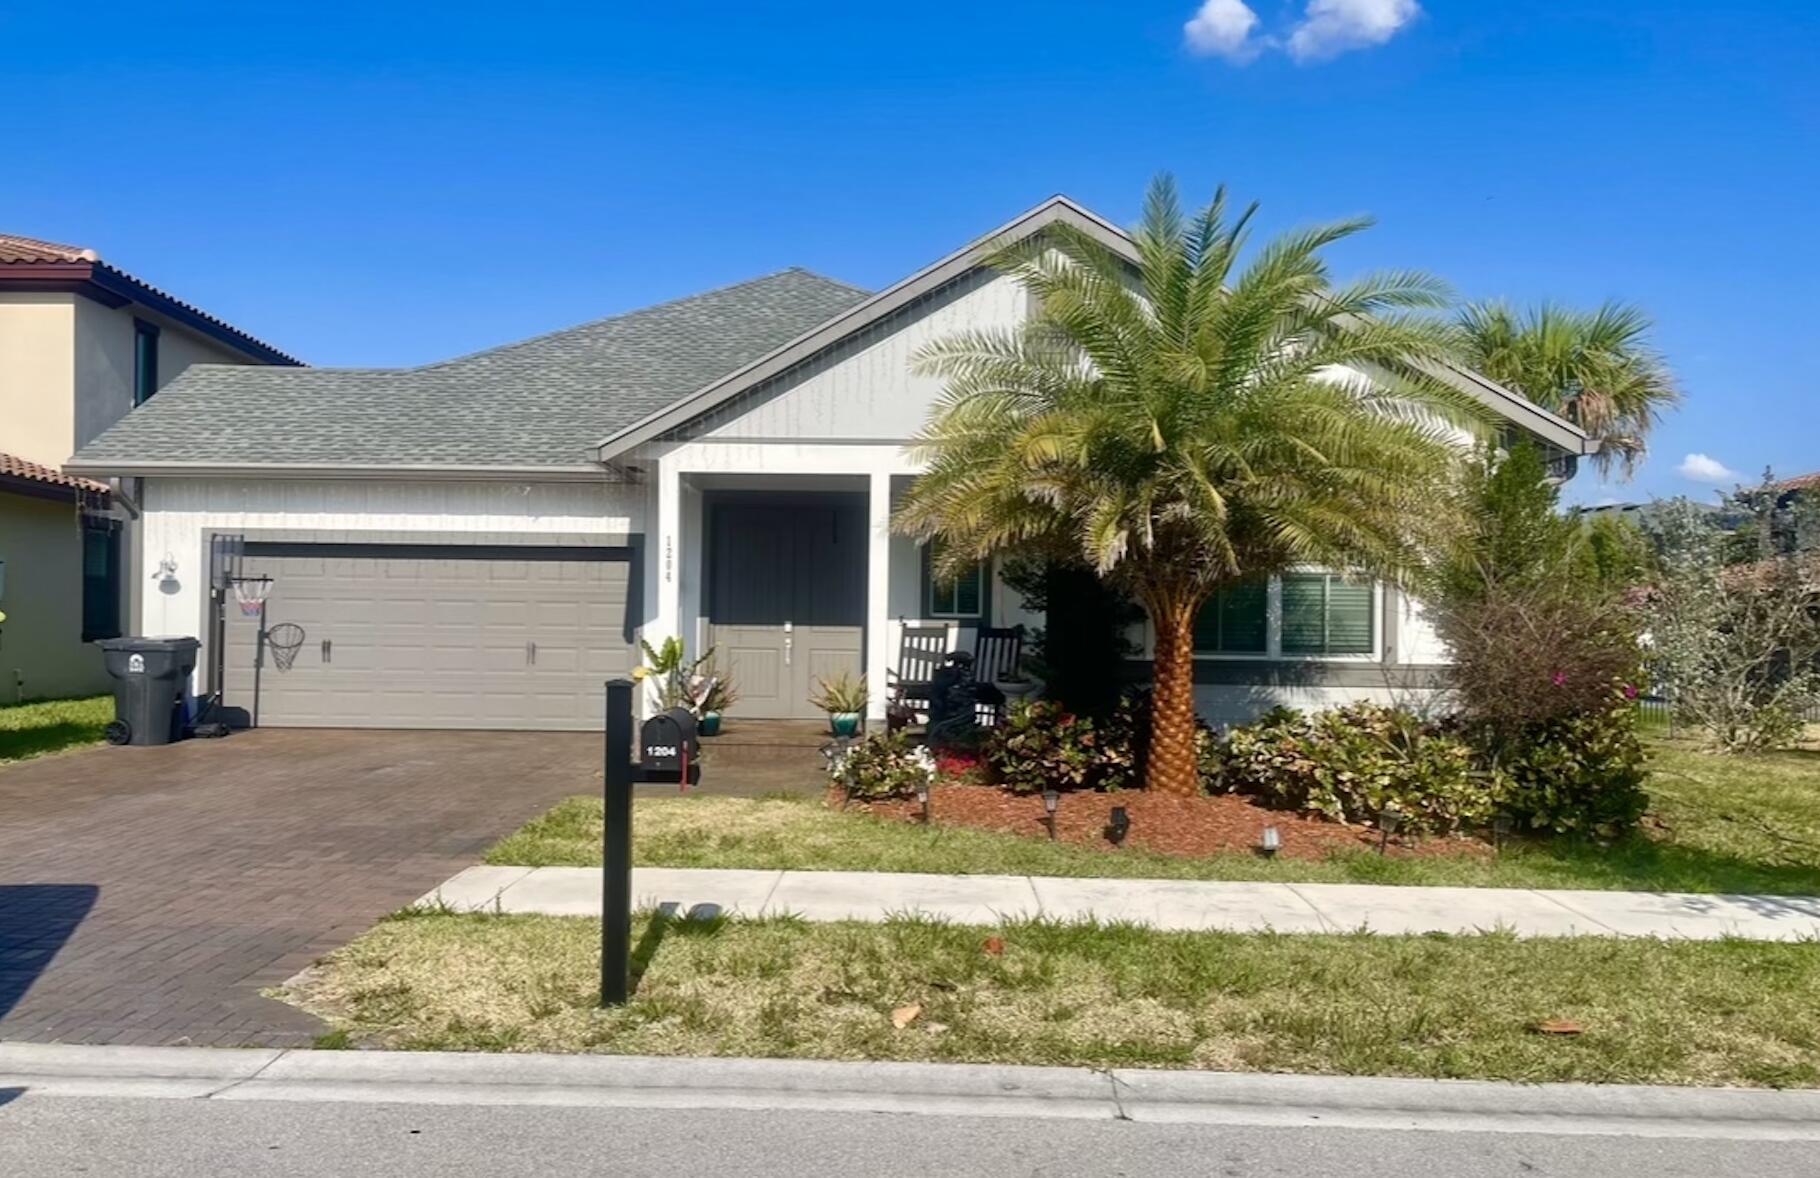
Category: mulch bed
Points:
column 1170, row 825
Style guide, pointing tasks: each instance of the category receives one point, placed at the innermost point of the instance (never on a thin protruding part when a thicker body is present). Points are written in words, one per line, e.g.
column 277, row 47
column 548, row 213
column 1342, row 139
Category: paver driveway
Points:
column 148, row 894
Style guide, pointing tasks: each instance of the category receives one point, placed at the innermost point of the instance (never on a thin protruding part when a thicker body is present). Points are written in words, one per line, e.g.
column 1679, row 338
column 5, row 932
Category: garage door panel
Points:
column 436, row 643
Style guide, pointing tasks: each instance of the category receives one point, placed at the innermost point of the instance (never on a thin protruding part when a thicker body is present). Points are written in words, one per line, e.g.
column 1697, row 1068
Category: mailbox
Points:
column 668, row 749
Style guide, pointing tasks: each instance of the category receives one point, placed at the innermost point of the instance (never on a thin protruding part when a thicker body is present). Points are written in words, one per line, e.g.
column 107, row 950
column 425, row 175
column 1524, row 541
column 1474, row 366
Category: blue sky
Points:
column 381, row 184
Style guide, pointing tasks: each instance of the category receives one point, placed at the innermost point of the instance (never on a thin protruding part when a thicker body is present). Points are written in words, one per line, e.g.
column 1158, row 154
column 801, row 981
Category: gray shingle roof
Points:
column 542, row 402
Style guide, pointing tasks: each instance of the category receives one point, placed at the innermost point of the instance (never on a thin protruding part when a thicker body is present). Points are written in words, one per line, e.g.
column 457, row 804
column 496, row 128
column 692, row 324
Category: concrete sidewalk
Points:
column 1159, row 903
column 974, row 1090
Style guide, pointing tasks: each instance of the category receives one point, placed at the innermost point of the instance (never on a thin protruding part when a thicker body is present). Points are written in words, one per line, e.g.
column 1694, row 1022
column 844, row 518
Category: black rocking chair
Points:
column 996, row 653
column 919, row 653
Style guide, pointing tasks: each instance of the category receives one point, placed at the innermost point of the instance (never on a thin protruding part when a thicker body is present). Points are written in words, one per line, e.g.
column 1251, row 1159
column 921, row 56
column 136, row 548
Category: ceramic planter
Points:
column 844, row 723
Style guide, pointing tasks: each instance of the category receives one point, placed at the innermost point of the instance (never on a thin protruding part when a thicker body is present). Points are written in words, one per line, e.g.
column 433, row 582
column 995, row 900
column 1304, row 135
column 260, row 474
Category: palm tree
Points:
column 1189, row 422
column 1595, row 368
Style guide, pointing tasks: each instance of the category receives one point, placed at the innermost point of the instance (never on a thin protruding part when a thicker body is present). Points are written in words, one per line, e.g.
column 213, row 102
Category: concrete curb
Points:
column 908, row 1088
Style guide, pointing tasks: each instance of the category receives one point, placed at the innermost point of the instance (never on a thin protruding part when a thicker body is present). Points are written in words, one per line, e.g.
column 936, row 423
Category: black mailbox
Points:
column 668, row 749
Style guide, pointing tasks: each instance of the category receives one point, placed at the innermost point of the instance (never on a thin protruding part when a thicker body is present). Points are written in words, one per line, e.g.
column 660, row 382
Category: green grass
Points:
column 1732, row 1013
column 1717, row 824
column 52, row 726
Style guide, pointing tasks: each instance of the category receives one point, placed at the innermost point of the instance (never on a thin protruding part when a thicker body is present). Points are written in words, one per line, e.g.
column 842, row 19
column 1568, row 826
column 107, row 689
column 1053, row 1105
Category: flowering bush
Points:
column 882, row 765
column 1352, row 763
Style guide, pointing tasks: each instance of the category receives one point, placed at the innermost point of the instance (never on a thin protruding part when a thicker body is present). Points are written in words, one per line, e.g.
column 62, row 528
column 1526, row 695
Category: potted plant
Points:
column 714, row 693
column 844, row 699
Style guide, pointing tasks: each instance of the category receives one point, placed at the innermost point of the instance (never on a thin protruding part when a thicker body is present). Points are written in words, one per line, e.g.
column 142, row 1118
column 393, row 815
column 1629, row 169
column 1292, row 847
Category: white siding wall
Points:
column 179, row 511
column 864, row 388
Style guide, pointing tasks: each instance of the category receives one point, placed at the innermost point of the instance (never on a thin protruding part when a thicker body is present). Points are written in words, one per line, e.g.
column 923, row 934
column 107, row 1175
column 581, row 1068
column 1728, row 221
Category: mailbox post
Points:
column 616, row 880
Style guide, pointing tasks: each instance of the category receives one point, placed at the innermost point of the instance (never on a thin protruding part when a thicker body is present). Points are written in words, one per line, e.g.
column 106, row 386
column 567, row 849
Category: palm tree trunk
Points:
column 1174, row 763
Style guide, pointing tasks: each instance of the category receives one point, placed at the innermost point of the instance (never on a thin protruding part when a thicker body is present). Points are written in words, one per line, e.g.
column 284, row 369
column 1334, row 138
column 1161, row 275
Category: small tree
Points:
column 1733, row 649
column 1530, row 609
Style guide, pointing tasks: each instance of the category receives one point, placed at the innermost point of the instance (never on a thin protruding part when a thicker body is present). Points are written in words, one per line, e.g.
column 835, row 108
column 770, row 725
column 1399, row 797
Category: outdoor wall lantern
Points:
column 922, row 799
column 1270, row 842
column 1388, row 821
column 1051, row 800
column 1119, row 827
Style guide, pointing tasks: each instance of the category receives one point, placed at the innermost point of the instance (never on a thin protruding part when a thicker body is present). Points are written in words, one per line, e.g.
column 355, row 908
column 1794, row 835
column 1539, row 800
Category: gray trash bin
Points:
column 151, row 677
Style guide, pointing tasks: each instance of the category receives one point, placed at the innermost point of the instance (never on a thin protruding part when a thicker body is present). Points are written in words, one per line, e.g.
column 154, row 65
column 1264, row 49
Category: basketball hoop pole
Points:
column 258, row 662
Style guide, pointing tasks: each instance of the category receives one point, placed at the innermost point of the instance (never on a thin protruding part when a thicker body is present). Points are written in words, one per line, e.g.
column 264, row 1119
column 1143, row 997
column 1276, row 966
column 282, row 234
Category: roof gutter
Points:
column 423, row 472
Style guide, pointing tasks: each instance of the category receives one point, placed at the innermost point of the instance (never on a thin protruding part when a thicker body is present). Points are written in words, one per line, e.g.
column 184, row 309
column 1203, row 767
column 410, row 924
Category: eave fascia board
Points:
column 431, row 472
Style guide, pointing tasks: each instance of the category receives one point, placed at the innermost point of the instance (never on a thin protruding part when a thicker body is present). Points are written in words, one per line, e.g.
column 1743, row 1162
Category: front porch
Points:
column 794, row 578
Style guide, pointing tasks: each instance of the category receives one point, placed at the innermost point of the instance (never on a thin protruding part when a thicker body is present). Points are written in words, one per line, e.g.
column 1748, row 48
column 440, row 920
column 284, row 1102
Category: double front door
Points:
column 786, row 582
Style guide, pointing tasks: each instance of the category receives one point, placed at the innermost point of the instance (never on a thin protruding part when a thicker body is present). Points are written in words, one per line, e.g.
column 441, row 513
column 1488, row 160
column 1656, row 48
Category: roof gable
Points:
column 1527, row 415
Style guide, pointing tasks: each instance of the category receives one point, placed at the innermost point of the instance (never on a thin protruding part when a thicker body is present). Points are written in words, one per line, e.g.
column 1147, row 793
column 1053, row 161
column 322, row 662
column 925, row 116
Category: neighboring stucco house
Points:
column 81, row 343
column 478, row 542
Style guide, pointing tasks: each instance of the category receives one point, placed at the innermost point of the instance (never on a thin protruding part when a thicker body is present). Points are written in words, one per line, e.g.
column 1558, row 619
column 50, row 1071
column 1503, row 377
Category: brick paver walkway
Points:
column 148, row 894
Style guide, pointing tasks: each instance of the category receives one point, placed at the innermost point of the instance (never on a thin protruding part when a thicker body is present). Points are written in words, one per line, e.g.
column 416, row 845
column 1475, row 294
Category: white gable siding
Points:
column 864, row 388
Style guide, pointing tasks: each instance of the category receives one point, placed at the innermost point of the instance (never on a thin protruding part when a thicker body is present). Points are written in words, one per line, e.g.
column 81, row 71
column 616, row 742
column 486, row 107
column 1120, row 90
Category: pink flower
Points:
column 1559, row 679
column 1630, row 691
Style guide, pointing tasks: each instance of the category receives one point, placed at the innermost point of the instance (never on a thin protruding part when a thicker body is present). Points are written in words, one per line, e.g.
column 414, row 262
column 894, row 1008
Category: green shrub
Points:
column 1352, row 763
column 882, row 765
column 1582, row 775
column 1042, row 745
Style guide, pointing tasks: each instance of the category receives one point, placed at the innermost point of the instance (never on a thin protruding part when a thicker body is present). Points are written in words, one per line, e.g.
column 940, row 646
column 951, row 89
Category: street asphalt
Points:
column 49, row 1136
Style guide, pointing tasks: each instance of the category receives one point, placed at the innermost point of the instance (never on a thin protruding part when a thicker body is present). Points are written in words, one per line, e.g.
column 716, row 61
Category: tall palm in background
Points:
column 1191, row 424
column 1595, row 368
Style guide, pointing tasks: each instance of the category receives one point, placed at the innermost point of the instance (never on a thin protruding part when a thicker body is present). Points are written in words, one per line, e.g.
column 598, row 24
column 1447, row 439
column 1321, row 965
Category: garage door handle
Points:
column 327, row 648
column 530, row 654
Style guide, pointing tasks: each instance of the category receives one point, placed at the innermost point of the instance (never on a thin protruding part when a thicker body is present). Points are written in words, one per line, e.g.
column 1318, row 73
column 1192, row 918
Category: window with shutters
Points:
column 1325, row 614
column 1298, row 615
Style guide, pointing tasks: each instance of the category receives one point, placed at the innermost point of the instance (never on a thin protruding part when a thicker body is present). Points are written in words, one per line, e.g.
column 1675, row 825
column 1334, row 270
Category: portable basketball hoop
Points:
column 251, row 593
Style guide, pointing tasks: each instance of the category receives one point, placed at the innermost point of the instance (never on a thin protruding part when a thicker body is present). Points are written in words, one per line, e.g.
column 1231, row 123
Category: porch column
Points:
column 878, row 589
column 665, row 554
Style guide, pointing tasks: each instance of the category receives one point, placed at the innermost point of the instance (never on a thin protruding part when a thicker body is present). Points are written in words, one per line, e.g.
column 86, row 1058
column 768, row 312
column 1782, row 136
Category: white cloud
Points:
column 1702, row 469
column 1331, row 27
column 1223, row 28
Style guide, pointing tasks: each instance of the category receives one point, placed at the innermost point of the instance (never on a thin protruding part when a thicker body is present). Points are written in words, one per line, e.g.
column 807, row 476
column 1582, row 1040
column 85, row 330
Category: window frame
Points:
column 114, row 578
column 145, row 361
column 1273, row 629
column 982, row 570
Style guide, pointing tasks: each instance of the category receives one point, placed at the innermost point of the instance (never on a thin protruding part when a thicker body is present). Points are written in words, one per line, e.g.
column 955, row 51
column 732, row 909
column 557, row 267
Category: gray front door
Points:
column 786, row 596
column 424, row 636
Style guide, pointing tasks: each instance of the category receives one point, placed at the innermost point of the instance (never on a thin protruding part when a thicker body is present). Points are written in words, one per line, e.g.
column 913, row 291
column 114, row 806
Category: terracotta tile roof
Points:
column 14, row 248
column 19, row 468
column 1800, row 482
column 31, row 251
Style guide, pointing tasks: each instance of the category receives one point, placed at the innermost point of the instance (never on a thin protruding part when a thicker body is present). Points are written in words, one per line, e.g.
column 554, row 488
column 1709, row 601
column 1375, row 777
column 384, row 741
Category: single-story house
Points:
column 480, row 542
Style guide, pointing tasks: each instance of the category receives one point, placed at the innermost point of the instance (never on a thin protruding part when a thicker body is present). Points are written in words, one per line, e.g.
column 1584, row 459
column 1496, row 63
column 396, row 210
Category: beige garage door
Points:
column 416, row 636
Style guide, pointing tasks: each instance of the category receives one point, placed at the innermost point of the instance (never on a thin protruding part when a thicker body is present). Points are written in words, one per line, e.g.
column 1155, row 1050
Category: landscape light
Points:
column 1120, row 826
column 1270, row 842
column 1501, row 826
column 1051, row 800
column 922, row 797
column 1388, row 820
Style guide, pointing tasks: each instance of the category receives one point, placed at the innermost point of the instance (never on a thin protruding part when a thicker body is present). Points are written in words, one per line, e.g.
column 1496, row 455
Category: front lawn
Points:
column 52, row 726
column 1733, row 1013
column 1717, row 824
